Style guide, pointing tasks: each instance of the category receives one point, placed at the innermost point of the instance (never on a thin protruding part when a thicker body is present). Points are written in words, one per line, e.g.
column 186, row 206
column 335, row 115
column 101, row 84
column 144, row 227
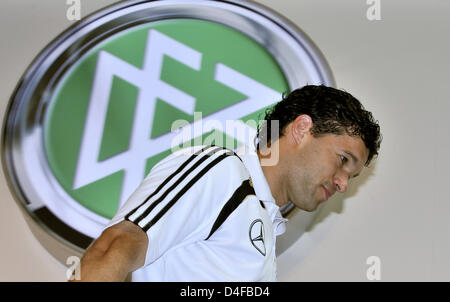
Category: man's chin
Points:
column 309, row 207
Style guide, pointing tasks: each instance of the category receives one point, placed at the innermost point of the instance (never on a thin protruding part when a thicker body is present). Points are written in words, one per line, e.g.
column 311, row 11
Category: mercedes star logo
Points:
column 256, row 234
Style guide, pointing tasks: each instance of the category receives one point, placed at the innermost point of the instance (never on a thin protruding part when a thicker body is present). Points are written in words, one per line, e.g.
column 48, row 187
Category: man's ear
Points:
column 300, row 127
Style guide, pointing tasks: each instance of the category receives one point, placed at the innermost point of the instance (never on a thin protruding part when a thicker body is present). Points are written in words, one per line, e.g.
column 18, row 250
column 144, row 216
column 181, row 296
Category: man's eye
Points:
column 343, row 159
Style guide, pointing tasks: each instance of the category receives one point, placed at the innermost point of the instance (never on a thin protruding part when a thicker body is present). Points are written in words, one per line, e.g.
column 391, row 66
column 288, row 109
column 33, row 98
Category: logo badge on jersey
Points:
column 256, row 234
column 93, row 113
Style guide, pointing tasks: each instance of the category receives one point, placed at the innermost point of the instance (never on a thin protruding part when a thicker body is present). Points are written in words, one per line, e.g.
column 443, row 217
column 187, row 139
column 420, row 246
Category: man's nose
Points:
column 341, row 183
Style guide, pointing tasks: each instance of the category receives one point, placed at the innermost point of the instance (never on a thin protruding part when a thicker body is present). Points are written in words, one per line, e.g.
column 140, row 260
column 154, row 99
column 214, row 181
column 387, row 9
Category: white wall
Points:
column 397, row 209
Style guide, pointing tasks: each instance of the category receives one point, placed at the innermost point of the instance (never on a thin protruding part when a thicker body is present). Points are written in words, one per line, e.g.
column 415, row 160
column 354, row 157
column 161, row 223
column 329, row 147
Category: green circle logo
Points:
column 115, row 93
column 104, row 123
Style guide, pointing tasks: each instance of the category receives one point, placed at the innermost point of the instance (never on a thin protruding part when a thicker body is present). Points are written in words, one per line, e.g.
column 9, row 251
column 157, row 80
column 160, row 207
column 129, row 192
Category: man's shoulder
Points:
column 210, row 175
column 231, row 161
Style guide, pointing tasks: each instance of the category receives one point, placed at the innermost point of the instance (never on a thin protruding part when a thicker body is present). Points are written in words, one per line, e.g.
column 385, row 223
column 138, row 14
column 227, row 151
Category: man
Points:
column 213, row 215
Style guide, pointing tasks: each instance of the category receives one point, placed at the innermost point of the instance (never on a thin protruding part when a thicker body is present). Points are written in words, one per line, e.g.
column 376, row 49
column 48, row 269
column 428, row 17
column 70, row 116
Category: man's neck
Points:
column 272, row 173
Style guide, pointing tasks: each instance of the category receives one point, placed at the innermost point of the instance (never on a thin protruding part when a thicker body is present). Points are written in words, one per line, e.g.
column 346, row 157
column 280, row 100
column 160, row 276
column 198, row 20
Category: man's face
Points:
column 320, row 166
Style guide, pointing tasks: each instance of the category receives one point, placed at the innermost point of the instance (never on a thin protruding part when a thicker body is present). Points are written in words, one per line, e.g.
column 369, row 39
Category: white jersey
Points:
column 208, row 215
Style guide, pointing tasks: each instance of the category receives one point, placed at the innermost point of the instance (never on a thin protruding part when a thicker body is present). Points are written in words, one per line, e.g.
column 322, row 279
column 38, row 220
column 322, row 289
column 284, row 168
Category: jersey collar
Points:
column 251, row 161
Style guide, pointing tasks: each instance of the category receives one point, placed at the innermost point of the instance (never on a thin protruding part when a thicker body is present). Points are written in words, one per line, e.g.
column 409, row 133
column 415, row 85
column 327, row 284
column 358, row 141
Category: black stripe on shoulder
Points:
column 186, row 188
column 172, row 187
column 180, row 168
column 238, row 196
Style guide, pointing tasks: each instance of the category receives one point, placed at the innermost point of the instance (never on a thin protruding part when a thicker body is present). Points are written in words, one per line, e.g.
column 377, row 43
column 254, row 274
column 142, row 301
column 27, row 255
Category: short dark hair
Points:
column 332, row 111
